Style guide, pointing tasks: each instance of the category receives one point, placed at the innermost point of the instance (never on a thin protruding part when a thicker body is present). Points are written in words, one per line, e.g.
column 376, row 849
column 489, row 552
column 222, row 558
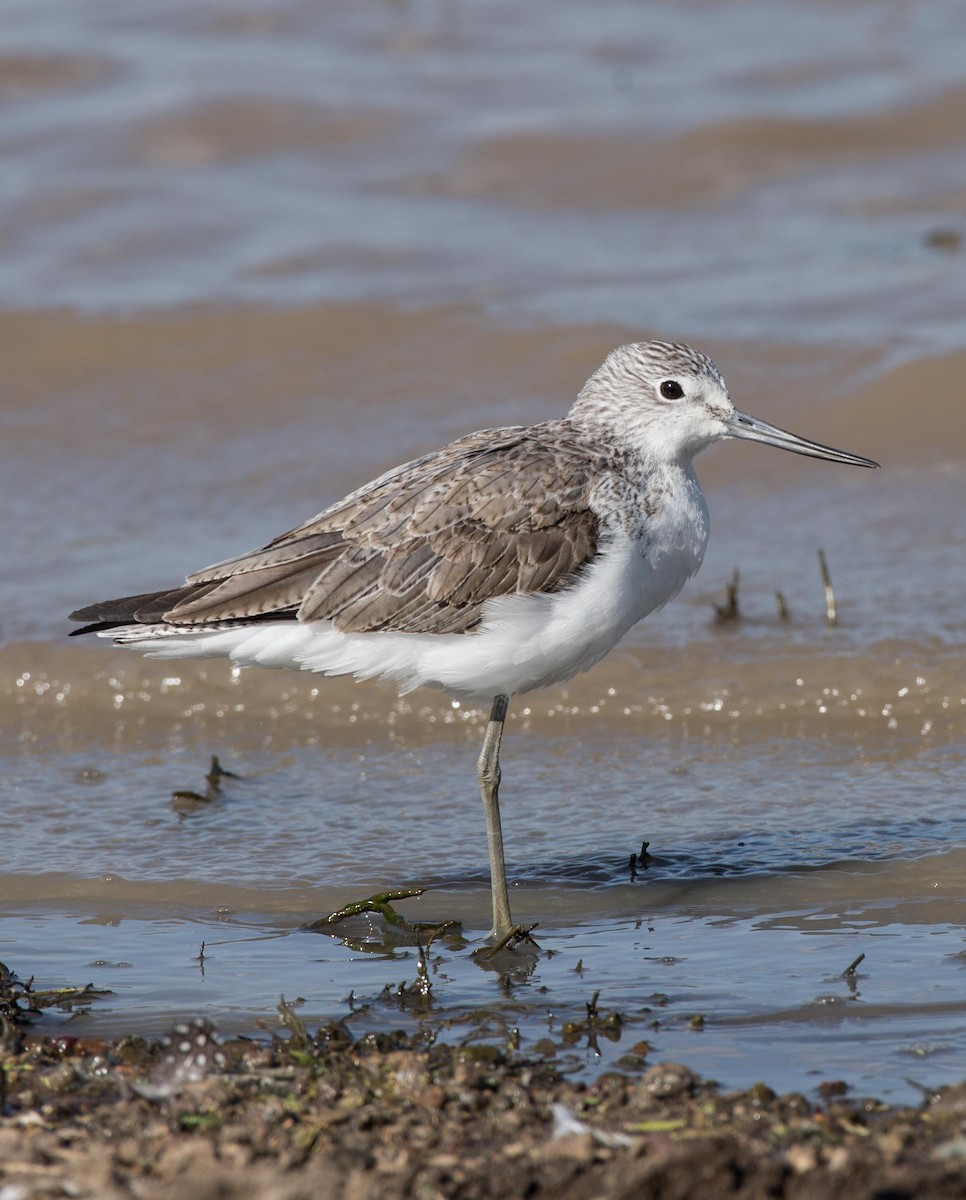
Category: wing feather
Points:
column 419, row 550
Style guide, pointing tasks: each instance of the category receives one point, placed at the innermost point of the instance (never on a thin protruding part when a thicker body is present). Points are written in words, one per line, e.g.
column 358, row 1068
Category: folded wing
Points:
column 419, row 550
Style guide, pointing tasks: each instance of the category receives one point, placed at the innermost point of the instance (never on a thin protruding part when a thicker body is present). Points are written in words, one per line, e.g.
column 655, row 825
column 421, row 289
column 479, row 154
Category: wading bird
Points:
column 508, row 560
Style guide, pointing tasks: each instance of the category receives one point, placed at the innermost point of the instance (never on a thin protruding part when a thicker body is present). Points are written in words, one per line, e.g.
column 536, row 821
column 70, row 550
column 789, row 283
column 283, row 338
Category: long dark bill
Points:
column 750, row 429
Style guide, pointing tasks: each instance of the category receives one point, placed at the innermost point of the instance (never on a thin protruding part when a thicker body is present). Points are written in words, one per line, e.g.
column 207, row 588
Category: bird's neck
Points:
column 638, row 453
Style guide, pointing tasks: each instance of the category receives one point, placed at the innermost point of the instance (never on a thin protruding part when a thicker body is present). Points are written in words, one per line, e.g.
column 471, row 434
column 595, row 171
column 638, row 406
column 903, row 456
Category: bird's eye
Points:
column 671, row 389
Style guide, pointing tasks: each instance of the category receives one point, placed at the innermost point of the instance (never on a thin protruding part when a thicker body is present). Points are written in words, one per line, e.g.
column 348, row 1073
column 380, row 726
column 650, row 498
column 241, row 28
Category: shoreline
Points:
column 392, row 1116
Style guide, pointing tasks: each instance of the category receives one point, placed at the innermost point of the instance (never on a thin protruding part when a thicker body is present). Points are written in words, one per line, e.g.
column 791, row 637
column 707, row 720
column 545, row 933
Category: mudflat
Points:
column 299, row 1115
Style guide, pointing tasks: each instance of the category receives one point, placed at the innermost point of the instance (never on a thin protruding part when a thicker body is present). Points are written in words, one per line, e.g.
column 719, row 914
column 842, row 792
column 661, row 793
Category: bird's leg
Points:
column 488, row 773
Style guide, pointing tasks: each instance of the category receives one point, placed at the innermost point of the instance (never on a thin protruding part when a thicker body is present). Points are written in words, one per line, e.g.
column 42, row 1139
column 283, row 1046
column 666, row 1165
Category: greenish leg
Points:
column 488, row 773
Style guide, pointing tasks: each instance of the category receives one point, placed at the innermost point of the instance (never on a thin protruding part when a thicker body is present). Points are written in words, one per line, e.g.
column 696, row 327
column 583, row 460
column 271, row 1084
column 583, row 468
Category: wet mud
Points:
column 298, row 1114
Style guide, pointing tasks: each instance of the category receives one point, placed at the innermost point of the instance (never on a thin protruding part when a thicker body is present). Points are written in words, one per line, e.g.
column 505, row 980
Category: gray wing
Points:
column 422, row 548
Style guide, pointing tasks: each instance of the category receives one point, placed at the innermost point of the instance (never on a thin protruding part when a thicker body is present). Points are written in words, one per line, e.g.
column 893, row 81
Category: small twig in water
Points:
column 299, row 1037
column 723, row 613
column 423, row 984
column 850, row 970
column 830, row 611
column 783, row 612
column 215, row 774
column 639, row 861
column 185, row 796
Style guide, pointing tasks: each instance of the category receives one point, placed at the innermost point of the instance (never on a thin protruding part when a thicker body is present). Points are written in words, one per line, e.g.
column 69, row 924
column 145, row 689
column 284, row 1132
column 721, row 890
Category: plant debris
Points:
column 725, row 614
column 831, row 611
column 381, row 903
column 21, row 1003
column 186, row 800
column 307, row 1113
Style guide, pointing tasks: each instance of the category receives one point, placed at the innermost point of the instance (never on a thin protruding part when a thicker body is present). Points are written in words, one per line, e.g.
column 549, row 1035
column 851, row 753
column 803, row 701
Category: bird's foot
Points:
column 516, row 936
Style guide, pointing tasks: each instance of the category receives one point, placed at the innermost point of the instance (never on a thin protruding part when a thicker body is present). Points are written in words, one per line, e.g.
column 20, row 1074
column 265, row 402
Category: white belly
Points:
column 525, row 642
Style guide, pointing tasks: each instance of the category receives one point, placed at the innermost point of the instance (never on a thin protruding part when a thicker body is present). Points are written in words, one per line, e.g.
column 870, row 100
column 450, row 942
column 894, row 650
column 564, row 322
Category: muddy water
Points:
column 253, row 256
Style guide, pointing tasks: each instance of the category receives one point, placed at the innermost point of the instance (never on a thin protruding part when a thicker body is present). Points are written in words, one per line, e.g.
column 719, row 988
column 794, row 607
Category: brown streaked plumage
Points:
column 419, row 550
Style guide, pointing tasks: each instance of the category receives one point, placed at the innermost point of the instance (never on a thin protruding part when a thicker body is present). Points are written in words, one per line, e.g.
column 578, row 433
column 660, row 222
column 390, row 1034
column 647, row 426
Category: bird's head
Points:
column 669, row 401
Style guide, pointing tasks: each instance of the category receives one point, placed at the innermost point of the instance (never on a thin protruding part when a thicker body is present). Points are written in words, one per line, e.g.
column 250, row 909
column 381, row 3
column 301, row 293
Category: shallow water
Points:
column 253, row 257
